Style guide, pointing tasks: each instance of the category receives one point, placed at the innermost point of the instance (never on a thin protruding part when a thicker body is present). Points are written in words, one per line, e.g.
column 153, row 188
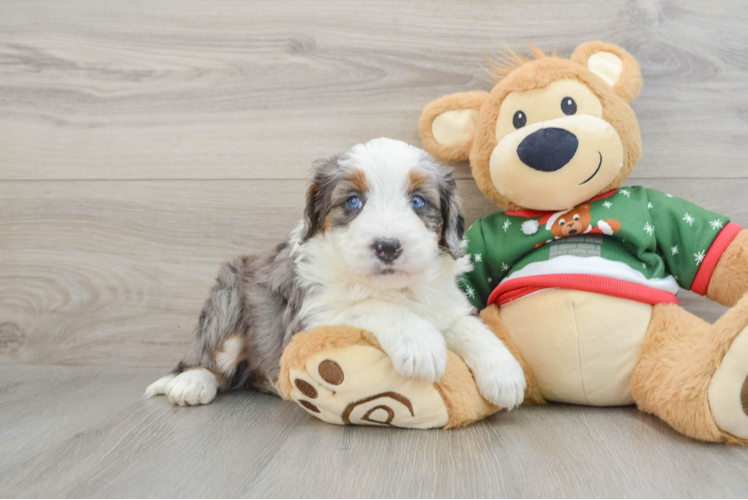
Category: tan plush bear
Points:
column 578, row 275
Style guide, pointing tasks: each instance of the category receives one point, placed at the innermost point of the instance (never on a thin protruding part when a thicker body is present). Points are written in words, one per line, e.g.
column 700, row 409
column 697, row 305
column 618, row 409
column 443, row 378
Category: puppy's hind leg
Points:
column 219, row 344
column 159, row 386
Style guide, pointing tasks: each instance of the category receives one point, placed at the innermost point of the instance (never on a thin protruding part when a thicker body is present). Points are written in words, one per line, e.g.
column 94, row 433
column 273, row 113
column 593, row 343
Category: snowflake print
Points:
column 470, row 292
column 649, row 228
column 478, row 257
column 644, row 265
column 674, row 250
column 689, row 220
column 506, row 225
column 649, row 205
column 626, row 193
column 669, row 195
column 699, row 256
column 607, row 204
column 490, row 280
column 504, row 267
column 716, row 224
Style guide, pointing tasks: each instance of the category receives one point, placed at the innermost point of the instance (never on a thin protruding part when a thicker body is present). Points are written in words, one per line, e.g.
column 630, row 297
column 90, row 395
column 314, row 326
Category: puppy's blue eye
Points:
column 354, row 202
column 417, row 202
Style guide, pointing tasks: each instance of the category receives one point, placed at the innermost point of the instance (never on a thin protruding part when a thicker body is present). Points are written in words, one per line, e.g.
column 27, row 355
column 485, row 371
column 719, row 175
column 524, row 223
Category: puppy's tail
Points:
column 159, row 386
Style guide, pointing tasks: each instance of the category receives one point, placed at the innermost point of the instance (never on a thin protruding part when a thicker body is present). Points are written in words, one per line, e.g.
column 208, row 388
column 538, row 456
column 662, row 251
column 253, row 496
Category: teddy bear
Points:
column 578, row 275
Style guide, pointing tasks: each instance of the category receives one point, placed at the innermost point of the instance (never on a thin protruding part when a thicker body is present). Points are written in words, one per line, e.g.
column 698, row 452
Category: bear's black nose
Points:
column 548, row 149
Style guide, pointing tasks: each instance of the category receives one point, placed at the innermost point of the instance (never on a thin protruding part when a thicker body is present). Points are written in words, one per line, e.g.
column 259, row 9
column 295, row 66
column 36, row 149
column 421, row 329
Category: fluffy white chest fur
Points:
column 336, row 297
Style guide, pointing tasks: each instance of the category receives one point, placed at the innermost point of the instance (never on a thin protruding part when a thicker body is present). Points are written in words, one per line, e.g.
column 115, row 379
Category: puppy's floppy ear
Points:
column 447, row 125
column 610, row 62
column 325, row 172
column 453, row 222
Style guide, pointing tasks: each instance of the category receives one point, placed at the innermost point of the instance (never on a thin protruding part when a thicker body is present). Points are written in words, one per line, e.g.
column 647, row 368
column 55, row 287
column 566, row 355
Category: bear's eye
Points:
column 568, row 106
column 576, row 217
column 519, row 120
column 561, row 222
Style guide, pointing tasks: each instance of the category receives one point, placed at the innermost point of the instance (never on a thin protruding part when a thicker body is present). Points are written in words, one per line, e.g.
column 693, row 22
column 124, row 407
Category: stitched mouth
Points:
column 596, row 170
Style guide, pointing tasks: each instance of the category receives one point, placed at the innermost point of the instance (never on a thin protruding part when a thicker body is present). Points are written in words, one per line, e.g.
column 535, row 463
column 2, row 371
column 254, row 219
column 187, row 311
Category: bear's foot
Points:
column 728, row 390
column 342, row 376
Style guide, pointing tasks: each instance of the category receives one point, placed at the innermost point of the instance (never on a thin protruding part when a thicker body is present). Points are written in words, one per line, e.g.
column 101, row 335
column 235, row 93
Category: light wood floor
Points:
column 142, row 143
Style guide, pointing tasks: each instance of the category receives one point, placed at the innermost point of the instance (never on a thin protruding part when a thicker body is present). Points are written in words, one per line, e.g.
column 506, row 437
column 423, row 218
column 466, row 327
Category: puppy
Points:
column 380, row 248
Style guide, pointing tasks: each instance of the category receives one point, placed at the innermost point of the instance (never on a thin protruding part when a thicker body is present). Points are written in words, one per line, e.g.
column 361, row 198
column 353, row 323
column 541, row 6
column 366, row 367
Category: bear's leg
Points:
column 341, row 375
column 492, row 317
column 693, row 375
column 728, row 389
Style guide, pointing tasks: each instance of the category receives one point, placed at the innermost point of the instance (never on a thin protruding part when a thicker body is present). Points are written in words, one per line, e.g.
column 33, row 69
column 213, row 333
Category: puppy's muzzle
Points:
column 387, row 250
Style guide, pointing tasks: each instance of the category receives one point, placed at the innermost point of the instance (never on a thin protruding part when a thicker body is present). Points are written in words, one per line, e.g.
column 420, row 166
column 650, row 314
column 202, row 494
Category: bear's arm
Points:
column 690, row 239
column 730, row 277
column 474, row 284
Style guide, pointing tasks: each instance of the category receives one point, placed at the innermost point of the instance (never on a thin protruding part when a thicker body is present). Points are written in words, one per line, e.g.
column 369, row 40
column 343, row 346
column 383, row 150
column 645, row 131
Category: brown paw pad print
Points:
column 330, row 371
column 309, row 391
column 373, row 412
column 358, row 385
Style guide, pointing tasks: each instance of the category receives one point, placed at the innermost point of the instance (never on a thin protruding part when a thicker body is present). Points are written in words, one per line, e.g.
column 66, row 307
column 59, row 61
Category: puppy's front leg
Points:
column 416, row 347
column 497, row 373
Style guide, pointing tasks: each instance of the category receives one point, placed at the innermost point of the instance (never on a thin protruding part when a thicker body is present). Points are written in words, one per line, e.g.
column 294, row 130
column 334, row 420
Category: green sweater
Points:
column 634, row 243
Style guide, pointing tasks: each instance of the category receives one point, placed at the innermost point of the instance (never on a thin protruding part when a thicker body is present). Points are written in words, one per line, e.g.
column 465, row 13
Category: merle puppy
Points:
column 380, row 248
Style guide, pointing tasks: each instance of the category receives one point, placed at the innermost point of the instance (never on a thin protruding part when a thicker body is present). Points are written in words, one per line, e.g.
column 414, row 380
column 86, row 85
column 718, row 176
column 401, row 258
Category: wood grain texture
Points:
column 115, row 273
column 84, row 432
column 142, row 143
column 258, row 90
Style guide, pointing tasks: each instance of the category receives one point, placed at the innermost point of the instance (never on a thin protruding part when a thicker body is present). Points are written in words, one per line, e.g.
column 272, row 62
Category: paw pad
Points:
column 306, row 388
column 309, row 406
column 358, row 385
column 379, row 409
column 331, row 372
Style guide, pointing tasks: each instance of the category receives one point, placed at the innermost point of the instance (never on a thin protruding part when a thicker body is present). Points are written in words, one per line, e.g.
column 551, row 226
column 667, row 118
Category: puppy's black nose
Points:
column 548, row 149
column 387, row 250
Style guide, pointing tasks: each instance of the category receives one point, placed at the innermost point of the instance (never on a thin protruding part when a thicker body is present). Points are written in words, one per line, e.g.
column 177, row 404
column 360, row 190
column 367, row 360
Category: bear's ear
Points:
column 447, row 125
column 610, row 62
column 585, row 206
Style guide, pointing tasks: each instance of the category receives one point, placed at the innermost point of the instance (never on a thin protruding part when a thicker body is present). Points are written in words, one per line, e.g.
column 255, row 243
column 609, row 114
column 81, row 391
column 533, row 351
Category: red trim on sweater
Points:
column 720, row 244
column 515, row 288
column 531, row 214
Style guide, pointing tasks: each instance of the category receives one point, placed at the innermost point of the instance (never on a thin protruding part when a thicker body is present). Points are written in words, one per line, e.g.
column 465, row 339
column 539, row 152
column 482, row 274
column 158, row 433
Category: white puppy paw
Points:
column 418, row 351
column 500, row 378
column 192, row 387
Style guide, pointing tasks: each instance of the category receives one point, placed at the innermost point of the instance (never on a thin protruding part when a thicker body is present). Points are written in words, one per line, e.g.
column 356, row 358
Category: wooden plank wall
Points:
column 142, row 143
